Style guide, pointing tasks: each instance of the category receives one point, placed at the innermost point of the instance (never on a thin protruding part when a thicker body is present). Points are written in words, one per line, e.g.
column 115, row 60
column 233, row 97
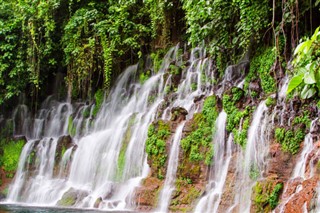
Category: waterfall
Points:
column 252, row 159
column 105, row 160
column 169, row 182
column 210, row 202
column 300, row 168
column 97, row 159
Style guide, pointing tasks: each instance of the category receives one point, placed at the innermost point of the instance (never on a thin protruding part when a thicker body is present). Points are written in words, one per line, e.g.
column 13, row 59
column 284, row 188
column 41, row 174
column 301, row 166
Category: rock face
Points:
column 299, row 195
column 64, row 143
column 147, row 194
column 71, row 197
column 281, row 163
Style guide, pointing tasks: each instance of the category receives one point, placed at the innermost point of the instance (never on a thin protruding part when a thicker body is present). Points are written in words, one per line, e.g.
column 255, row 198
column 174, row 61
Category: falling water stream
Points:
column 300, row 168
column 210, row 202
column 91, row 174
column 105, row 161
column 252, row 159
column 169, row 182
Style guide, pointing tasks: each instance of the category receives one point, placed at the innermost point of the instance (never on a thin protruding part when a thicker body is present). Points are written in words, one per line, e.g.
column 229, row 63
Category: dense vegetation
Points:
column 90, row 42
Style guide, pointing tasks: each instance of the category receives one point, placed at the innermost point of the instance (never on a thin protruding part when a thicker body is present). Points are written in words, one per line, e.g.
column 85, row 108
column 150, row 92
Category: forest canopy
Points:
column 90, row 42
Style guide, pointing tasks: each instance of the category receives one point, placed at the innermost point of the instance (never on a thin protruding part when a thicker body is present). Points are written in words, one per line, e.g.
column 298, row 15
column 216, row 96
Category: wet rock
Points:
column 255, row 86
column 147, row 194
column 228, row 194
column 64, row 143
column 184, row 196
column 235, row 72
column 191, row 124
column 178, row 114
column 97, row 203
column 71, row 197
column 198, row 98
column 281, row 163
column 301, row 197
column 296, row 104
column 20, row 138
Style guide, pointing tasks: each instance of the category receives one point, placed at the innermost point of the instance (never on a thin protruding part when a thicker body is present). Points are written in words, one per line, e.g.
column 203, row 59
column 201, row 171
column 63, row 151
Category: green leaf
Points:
column 309, row 78
column 307, row 92
column 315, row 34
column 294, row 82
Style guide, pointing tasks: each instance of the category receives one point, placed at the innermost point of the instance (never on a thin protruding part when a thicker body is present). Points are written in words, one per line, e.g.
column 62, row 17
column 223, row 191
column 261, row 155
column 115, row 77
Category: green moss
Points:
column 302, row 119
column 274, row 196
column 235, row 116
column 289, row 140
column 124, row 145
column 11, row 155
column 270, row 101
column 174, row 70
column 262, row 64
column 194, row 86
column 71, row 128
column 86, row 113
column 157, row 58
column 98, row 98
column 197, row 144
column 240, row 136
column 254, row 173
column 144, row 76
column 67, row 200
column 237, row 94
column 158, row 133
column 185, row 194
column 266, row 195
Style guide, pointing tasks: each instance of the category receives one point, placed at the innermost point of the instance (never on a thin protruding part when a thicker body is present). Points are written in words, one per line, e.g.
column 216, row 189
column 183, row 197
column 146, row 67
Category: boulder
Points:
column 178, row 114
column 71, row 197
column 97, row 203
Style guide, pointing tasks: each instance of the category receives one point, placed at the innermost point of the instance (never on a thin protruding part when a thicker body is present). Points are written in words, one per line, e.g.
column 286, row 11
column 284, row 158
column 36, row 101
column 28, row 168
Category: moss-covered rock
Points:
column 266, row 194
column 156, row 147
column 71, row 197
column 146, row 196
column 185, row 195
column 10, row 150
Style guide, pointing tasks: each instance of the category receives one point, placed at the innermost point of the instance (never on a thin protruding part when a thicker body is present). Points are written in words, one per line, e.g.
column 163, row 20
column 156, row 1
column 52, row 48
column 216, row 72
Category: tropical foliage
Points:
column 306, row 80
column 90, row 42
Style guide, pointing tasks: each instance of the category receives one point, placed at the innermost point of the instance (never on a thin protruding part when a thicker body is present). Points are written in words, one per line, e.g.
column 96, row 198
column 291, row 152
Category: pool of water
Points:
column 34, row 209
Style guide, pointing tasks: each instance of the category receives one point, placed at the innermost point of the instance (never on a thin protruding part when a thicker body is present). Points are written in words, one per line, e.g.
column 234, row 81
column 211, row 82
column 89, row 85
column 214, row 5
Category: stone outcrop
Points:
column 147, row 194
column 299, row 195
column 71, row 197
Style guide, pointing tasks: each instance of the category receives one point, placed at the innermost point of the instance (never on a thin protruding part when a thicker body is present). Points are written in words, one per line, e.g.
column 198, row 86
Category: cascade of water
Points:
column 196, row 82
column 96, row 170
column 253, row 159
column 210, row 202
column 21, row 174
column 281, row 107
column 300, row 168
column 65, row 162
column 168, row 186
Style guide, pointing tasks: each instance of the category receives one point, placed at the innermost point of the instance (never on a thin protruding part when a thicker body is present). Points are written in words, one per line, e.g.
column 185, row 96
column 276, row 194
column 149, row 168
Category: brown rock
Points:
column 178, row 114
column 147, row 194
column 280, row 163
column 298, row 199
